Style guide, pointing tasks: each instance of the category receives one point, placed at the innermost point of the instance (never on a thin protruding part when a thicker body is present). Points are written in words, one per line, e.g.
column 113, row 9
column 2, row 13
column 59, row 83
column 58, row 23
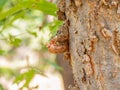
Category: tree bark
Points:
column 66, row 73
column 94, row 42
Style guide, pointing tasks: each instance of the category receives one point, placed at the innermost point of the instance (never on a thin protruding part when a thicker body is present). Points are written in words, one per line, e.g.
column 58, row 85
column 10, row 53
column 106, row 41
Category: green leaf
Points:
column 7, row 71
column 27, row 76
column 14, row 41
column 2, row 3
column 32, row 33
column 43, row 5
column 12, row 19
column 53, row 26
column 11, row 11
column 1, row 87
column 46, row 7
column 2, row 52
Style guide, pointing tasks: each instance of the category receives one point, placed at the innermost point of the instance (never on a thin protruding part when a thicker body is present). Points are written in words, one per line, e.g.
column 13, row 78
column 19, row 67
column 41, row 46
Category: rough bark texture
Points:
column 94, row 42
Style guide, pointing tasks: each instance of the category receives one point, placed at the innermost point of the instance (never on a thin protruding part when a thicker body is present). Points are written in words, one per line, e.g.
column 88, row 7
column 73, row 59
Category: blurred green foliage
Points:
column 27, row 76
column 21, row 23
column 8, row 72
column 1, row 87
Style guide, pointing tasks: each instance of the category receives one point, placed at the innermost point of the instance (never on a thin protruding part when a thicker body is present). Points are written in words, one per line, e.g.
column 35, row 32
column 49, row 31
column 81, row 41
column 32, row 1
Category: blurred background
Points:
column 25, row 63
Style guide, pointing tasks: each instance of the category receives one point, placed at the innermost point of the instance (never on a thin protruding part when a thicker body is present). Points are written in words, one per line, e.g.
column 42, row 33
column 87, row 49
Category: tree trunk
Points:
column 94, row 42
column 66, row 73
